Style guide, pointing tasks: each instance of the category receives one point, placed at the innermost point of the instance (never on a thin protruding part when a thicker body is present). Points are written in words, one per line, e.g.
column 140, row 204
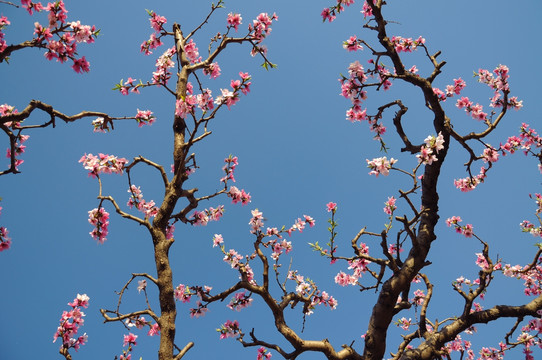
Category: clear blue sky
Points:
column 296, row 153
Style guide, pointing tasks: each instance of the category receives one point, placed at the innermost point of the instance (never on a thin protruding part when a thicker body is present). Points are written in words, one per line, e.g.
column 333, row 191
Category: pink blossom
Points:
column 107, row 164
column 162, row 74
column 182, row 293
column 229, row 329
column 234, row 20
column 217, row 240
column 464, row 102
column 152, row 43
column 331, row 207
column 5, row 241
column 256, row 222
column 352, row 44
column 141, row 285
column 237, row 195
column 199, row 311
column 130, row 340
column 70, row 322
column 212, row 70
column 490, row 155
column 240, row 301
column 31, row 6
column 263, row 354
column 390, row 205
column 99, row 218
column 157, row 21
column 404, row 323
column 192, row 51
column 326, row 15
column 154, row 330
column 406, row 44
column 144, row 117
column 344, row 279
column 80, row 300
column 261, row 27
column 380, row 166
column 419, row 297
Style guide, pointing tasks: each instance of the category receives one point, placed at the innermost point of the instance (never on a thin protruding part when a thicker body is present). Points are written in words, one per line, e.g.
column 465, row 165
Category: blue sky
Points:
column 296, row 153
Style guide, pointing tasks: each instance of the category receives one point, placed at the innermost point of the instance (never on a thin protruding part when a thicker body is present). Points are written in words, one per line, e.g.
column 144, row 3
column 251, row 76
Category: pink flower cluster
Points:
column 299, row 224
column 229, row 329
column 240, row 301
column 458, row 283
column 481, row 261
column 466, row 230
column 459, row 84
column 263, row 354
column 103, row 163
column 256, row 222
column 229, row 168
column 5, row 241
column 532, row 277
column 380, row 166
column 5, row 110
column 144, row 117
column 451, row 90
column 331, row 207
column 211, row 214
column 390, row 207
column 367, row 10
column 404, row 323
column 192, row 51
column 460, row 345
column 419, row 297
column 358, row 265
column 218, row 240
column 136, row 199
column 237, row 195
column 527, row 140
column 200, row 310
column 470, row 183
column 185, row 106
column 233, row 258
column 232, row 97
column 406, row 44
column 182, row 293
column 130, row 341
column 66, row 46
column 3, row 23
column 234, row 20
column 157, row 24
column 19, row 149
column 476, row 111
column 432, row 146
column 140, row 322
column 352, row 44
column 528, row 227
column 498, row 81
column 352, row 89
column 306, row 288
column 70, row 322
column 323, row 299
column 279, row 247
column 163, row 64
column 212, row 70
column 261, row 27
column 126, row 87
column 157, row 21
column 99, row 218
column 330, row 13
